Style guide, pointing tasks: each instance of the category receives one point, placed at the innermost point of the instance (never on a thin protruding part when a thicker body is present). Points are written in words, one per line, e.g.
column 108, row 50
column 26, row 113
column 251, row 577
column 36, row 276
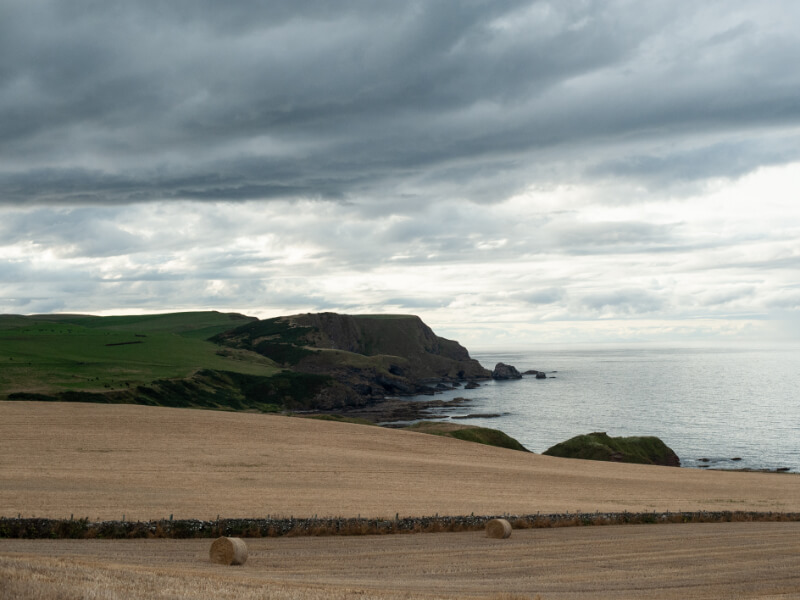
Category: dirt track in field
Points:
column 723, row 560
column 106, row 461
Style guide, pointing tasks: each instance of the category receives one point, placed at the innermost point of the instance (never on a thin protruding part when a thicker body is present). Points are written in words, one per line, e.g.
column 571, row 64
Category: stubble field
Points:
column 99, row 461
column 709, row 560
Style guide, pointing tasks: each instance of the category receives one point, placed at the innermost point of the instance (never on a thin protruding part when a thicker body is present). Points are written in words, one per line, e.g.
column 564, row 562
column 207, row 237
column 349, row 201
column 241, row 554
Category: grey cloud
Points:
column 624, row 302
column 785, row 299
column 24, row 275
column 733, row 33
column 542, row 296
column 582, row 238
column 33, row 305
column 13, row 272
column 76, row 232
column 129, row 102
column 723, row 297
column 668, row 168
column 780, row 261
column 416, row 303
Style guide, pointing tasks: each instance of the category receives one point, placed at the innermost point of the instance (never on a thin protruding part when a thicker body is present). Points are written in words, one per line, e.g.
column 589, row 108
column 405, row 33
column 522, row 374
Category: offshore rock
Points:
column 648, row 450
column 538, row 374
column 504, row 371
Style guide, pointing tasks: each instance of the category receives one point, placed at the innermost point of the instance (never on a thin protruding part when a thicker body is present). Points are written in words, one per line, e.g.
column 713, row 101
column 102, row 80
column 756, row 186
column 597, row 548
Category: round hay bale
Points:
column 498, row 528
column 228, row 551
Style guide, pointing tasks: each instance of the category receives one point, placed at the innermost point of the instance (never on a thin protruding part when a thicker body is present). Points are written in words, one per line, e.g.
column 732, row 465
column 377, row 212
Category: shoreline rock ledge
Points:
column 504, row 371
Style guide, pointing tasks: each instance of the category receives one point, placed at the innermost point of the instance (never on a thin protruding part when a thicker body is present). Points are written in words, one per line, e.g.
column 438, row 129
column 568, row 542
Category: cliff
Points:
column 369, row 356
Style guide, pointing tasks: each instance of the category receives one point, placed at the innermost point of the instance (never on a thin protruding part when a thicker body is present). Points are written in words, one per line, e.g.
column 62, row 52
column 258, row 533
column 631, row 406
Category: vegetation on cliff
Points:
column 370, row 355
column 418, row 352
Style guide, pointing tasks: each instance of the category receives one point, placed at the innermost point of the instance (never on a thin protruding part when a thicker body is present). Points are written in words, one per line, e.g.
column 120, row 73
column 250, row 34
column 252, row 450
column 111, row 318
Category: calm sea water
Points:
column 705, row 403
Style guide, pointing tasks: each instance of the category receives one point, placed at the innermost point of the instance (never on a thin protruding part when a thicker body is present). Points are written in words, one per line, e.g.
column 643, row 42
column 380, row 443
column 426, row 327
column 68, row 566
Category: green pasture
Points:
column 48, row 355
column 200, row 325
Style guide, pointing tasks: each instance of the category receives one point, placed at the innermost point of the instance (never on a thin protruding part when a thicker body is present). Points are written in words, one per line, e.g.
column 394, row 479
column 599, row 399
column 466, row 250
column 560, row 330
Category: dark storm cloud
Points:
column 666, row 167
column 111, row 102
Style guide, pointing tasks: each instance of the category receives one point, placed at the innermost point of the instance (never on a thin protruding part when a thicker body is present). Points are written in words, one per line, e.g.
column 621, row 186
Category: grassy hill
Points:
column 163, row 360
column 198, row 325
column 97, row 354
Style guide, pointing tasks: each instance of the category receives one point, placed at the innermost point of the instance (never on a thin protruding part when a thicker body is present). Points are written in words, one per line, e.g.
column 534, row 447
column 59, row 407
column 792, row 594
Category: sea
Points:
column 720, row 407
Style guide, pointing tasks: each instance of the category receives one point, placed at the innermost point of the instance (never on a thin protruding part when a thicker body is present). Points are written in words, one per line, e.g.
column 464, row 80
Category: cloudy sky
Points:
column 515, row 172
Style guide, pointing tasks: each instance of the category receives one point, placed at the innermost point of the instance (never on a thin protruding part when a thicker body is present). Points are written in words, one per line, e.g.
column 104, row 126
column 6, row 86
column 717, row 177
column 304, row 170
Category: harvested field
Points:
column 728, row 560
column 106, row 462
column 110, row 461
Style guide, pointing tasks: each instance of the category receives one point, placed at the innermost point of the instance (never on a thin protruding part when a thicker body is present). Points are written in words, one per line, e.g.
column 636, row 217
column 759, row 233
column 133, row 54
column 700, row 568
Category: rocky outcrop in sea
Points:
column 504, row 371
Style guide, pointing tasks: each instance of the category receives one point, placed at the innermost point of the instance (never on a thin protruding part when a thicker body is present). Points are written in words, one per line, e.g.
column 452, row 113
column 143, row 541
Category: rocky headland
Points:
column 364, row 358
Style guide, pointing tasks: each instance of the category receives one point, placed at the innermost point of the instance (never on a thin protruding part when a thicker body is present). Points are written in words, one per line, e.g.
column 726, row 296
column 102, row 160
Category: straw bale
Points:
column 498, row 528
column 228, row 551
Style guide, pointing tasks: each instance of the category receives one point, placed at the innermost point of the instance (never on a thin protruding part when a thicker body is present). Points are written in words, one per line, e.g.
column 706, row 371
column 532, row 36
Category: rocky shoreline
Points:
column 398, row 410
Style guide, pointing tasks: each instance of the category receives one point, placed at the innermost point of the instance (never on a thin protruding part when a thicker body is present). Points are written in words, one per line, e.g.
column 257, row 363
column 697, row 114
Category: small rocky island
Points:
column 647, row 450
column 503, row 371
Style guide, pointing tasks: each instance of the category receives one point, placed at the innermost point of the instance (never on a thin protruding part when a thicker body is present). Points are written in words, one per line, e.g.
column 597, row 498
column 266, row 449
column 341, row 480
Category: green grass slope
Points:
column 99, row 354
column 199, row 324
column 469, row 433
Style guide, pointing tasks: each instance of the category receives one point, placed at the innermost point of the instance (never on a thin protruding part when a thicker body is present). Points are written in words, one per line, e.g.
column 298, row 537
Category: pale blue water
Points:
column 703, row 402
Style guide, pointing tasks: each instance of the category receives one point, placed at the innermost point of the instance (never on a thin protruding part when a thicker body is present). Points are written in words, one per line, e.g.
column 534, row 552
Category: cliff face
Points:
column 401, row 335
column 405, row 336
column 370, row 355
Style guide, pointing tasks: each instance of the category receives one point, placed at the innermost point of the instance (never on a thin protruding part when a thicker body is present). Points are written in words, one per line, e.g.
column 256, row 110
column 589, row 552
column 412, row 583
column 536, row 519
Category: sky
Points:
column 514, row 172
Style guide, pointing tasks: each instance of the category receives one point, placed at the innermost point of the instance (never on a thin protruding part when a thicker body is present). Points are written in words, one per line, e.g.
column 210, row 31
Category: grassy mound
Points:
column 469, row 433
column 648, row 450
